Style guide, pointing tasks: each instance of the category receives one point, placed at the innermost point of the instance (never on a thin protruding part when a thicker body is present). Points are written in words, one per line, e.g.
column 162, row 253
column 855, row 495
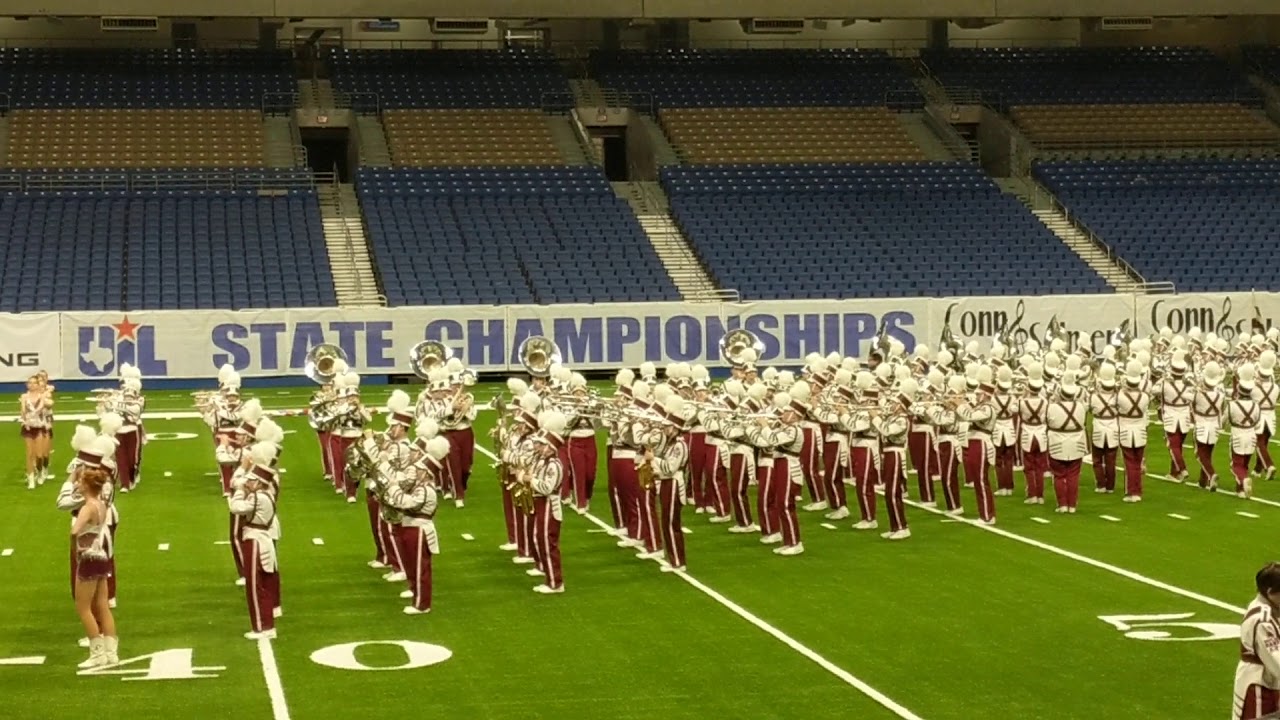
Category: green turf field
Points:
column 1043, row 616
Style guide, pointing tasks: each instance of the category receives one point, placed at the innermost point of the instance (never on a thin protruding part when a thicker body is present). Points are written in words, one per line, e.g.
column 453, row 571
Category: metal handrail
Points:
column 1157, row 288
column 1090, row 235
column 280, row 102
column 349, row 242
column 153, row 180
column 951, row 140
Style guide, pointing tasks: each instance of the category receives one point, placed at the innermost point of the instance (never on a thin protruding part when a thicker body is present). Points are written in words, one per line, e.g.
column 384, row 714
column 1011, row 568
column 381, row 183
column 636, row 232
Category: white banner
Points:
column 982, row 318
column 1227, row 314
column 29, row 343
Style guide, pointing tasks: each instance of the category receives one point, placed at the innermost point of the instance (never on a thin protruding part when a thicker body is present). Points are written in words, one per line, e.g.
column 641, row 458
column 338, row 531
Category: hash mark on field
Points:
column 317, row 541
column 221, row 542
column 686, row 530
column 32, row 660
column 163, row 547
column 468, row 536
column 1247, row 514
column 6, row 552
column 1176, row 516
column 1042, row 521
column 1110, row 518
column 772, row 631
column 951, row 520
column 828, row 526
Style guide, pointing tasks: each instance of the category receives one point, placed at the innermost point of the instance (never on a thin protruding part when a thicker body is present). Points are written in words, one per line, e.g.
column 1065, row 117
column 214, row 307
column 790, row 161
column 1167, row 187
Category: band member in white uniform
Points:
column 1132, row 403
column 892, row 426
column 544, row 475
column 459, row 412
column 1244, row 415
column 1210, row 402
column 1257, row 684
column 782, row 439
column 350, row 417
column 1106, row 429
column 1033, row 437
column 1068, row 442
column 1004, row 430
column 255, row 503
column 129, row 404
column 1176, row 394
column 411, row 492
column 948, row 442
column 980, row 414
column 1267, row 395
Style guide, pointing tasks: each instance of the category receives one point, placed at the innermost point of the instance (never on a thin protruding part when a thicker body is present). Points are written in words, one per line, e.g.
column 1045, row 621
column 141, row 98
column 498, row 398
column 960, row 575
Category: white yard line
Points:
column 768, row 629
column 1189, row 484
column 1176, row 516
column 1115, row 570
column 271, row 673
column 1247, row 514
column 1110, row 518
column 1040, row 520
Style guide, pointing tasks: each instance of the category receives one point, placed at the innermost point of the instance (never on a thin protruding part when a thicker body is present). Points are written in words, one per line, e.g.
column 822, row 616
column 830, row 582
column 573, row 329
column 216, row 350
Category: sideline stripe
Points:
column 271, row 673
column 1116, row 570
column 777, row 634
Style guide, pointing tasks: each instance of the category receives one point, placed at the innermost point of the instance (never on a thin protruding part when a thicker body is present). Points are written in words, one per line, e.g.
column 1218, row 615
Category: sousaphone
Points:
column 323, row 361
column 735, row 342
column 427, row 356
column 537, row 354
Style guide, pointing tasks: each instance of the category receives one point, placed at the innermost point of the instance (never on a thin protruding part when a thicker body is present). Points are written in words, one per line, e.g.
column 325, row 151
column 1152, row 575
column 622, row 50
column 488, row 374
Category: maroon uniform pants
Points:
column 259, row 588
column 811, row 464
column 380, row 551
column 388, row 533
column 1066, row 481
column 1259, row 702
column 627, row 487
column 976, row 472
column 1104, row 468
column 865, row 479
column 949, row 473
column 1177, row 463
column 647, row 513
column 546, row 537
column 833, row 475
column 128, row 455
column 1240, row 469
column 715, row 481
column 739, row 482
column 225, row 471
column 784, row 501
column 338, row 458
column 765, row 499
column 322, row 436
column 417, row 563
column 895, row 478
column 1204, row 453
column 920, row 447
column 1006, row 456
column 508, row 514
column 1133, row 457
column 672, row 531
column 582, row 469
column 697, row 473
column 524, row 535
column 237, row 548
column 1035, row 465
column 1264, row 451
column 462, row 453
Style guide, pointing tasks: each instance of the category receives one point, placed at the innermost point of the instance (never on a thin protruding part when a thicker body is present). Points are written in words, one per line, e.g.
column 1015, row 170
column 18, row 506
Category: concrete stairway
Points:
column 649, row 203
column 374, row 150
column 1083, row 245
column 924, row 136
column 567, row 141
column 353, row 278
column 663, row 151
column 316, row 93
column 586, row 92
column 278, row 133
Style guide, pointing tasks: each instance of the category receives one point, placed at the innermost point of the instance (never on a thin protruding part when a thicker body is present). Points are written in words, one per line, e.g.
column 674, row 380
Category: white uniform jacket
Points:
column 981, row 417
column 545, row 475
column 451, row 420
column 1065, row 426
column 1132, row 405
column 417, row 503
column 782, row 441
column 1207, row 413
column 1267, row 393
column 1259, row 653
column 1106, row 419
column 1244, row 416
column 1004, row 431
column 1033, row 413
column 258, row 510
column 945, row 423
column 892, row 427
column 1176, row 396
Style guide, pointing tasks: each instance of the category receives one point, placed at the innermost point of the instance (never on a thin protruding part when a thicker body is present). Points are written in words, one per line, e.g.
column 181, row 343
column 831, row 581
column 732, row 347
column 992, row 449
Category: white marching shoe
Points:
column 376, row 565
column 866, row 525
column 548, row 590
column 745, row 528
column 649, row 555
column 508, row 547
column 717, row 519
column 522, row 560
column 773, row 539
column 534, row 572
column 351, row 501
column 97, row 653
column 411, row 610
column 789, row 549
column 111, row 650
column 264, row 635
column 816, row 506
column 1132, row 498
column 902, row 534
column 406, row 594
column 31, row 482
column 394, row 577
column 838, row 514
column 459, row 503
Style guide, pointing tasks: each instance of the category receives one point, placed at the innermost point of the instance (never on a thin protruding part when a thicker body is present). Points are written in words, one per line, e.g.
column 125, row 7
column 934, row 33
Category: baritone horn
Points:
column 537, row 354
column 427, row 356
column 735, row 342
column 323, row 362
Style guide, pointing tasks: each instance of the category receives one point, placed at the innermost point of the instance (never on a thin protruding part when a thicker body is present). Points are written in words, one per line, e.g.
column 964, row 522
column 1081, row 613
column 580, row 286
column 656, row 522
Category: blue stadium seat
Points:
column 451, row 78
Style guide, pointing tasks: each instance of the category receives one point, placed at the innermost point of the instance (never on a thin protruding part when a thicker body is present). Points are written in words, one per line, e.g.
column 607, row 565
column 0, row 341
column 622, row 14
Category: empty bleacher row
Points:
column 851, row 231
column 1144, row 125
column 458, row 236
column 788, row 134
column 450, row 78
column 469, row 137
column 1203, row 224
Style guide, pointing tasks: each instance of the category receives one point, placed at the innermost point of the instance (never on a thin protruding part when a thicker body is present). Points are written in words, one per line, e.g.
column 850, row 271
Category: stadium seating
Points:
column 469, row 137
column 875, row 230
column 451, row 78
column 757, row 78
column 1202, row 224
column 101, row 241
column 1265, row 61
column 141, row 78
column 121, row 137
column 1149, row 125
column 788, row 134
column 463, row 236
column 1077, row 76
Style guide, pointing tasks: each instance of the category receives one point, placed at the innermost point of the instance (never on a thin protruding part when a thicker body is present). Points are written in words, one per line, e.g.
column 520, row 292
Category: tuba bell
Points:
column 537, row 354
column 322, row 362
column 427, row 356
column 950, row 342
column 1120, row 339
column 734, row 342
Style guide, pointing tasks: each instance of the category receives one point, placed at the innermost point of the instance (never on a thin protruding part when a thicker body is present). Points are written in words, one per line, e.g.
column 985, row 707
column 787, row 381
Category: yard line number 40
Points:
column 179, row 663
column 1170, row 627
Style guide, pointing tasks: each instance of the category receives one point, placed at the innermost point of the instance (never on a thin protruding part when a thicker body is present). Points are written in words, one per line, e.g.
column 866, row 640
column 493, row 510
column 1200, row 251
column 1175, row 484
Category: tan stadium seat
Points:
column 424, row 138
column 1143, row 126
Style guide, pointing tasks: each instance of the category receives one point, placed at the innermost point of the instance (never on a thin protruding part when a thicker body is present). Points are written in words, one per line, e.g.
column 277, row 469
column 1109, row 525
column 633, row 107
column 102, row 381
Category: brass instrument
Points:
column 361, row 466
column 427, row 356
column 1120, row 339
column 537, row 354
column 734, row 342
column 949, row 342
column 322, row 363
column 644, row 474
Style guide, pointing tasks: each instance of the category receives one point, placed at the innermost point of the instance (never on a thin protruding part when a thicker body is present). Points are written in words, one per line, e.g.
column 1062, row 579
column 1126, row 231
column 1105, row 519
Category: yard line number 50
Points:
column 179, row 663
column 1168, row 627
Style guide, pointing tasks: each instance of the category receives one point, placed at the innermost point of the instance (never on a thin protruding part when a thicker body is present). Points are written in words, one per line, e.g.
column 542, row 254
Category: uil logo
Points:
column 103, row 348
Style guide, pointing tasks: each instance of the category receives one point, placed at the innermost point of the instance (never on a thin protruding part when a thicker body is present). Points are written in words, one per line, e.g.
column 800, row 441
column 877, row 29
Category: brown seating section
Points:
column 789, row 135
column 1065, row 126
column 424, row 138
column 119, row 137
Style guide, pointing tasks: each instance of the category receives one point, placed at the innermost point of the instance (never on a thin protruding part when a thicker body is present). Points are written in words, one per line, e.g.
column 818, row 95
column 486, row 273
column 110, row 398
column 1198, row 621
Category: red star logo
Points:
column 126, row 330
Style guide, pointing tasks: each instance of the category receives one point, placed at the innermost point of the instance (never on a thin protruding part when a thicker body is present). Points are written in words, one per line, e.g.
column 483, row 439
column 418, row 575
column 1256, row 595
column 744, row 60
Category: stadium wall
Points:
column 273, row 343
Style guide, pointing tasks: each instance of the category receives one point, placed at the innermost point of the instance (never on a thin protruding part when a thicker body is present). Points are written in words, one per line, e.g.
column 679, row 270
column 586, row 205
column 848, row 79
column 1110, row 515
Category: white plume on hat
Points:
column 453, row 365
column 956, row 384
column 1273, row 333
column 640, row 390
column 1035, row 374
column 700, row 373
column 1166, row 331
column 1031, row 346
column 129, row 371
column 757, row 391
column 577, row 380
column 661, row 392
column 971, row 373
column 844, row 377
column 1178, row 360
column 224, row 372
column 263, row 453
column 1068, row 385
column 800, row 390
column 625, row 377
column 901, row 372
column 1267, row 360
column 833, row 358
column 1108, row 352
column 769, row 374
column 984, row 374
column 351, row 379
column 884, row 371
column 812, row 358
column 340, row 367
column 674, row 405
column 733, row 388
column 1212, row 374
column 850, row 364
column 1133, row 372
column 944, row 357
column 896, row 347
column 1178, row 342
column 251, row 411
column 819, row 365
column 1211, row 338
column 997, row 349
column 1004, row 377
column 1245, row 375
column 908, row 388
column 749, row 355
column 864, row 380
column 1057, row 345
column 785, row 378
column 110, row 423
column 427, row 428
column 781, row 400
column 399, row 402
column 269, row 431
column 553, row 421
column 1194, row 334
column 936, row 378
column 130, row 383
column 1025, row 360
column 1107, row 374
column 1143, row 357
column 922, row 351
column 648, row 370
column 232, row 380
column 530, row 402
column 438, row 447
column 1222, row 346
column 516, row 386
column 1072, row 364
column 972, row 348
column 82, row 437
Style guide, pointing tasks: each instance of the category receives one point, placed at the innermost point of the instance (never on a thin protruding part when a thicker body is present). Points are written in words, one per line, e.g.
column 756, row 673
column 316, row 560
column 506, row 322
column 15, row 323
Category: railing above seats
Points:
column 160, row 180
column 359, row 102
